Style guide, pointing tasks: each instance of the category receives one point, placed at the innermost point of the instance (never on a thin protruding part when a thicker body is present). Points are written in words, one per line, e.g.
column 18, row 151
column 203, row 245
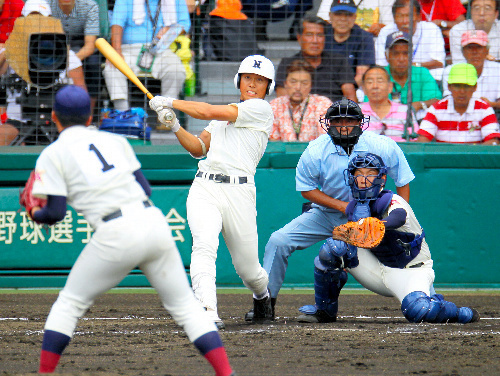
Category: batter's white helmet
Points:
column 257, row 64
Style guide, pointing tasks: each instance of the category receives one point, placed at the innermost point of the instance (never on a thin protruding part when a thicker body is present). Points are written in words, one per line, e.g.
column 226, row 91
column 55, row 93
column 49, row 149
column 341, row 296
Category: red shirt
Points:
column 476, row 125
column 447, row 10
column 10, row 11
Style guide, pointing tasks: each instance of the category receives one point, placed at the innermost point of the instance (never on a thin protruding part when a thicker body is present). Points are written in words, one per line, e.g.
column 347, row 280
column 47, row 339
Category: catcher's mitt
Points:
column 26, row 197
column 365, row 233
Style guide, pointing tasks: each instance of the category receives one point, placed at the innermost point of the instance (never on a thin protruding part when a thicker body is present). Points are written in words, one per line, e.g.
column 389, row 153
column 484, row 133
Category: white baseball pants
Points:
column 213, row 208
column 141, row 238
column 167, row 67
column 393, row 282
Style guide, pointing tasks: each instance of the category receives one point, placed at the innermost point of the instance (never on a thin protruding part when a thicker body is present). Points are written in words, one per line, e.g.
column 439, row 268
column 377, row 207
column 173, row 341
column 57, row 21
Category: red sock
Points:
column 218, row 359
column 48, row 361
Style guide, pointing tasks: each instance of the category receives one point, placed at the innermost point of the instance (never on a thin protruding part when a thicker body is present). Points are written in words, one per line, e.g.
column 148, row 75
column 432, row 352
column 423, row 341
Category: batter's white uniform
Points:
column 398, row 283
column 94, row 170
column 215, row 207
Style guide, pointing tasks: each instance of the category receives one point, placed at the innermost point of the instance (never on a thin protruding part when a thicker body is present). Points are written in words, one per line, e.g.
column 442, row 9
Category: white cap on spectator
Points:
column 36, row 6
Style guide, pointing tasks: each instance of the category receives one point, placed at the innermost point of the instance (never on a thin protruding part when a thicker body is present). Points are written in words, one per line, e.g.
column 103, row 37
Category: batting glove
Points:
column 167, row 118
column 159, row 102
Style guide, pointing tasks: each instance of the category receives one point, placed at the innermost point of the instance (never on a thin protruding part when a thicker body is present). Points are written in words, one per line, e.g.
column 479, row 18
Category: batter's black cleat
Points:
column 249, row 314
column 319, row 317
column 262, row 310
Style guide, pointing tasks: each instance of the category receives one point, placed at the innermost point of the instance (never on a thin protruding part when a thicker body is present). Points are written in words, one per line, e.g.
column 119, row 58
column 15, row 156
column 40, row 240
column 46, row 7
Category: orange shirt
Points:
column 308, row 120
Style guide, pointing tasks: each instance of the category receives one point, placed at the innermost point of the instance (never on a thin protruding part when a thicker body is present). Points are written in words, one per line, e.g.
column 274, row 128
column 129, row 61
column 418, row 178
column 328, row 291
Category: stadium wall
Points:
column 455, row 196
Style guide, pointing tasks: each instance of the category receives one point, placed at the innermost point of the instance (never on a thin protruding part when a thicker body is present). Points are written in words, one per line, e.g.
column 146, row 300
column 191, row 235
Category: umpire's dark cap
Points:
column 396, row 37
column 72, row 100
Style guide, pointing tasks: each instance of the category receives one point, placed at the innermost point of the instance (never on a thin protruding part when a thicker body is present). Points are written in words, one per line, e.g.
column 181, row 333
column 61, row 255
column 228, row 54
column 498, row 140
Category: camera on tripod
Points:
column 37, row 52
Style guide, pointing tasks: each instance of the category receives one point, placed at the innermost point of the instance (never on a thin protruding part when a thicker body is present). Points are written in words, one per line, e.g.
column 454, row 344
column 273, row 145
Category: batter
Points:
column 98, row 174
column 222, row 198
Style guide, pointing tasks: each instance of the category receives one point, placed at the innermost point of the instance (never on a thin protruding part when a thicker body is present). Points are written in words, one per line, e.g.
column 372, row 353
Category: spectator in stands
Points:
column 333, row 77
column 428, row 42
column 386, row 117
column 445, row 14
column 484, row 16
column 9, row 11
column 348, row 39
column 425, row 90
column 132, row 27
column 372, row 15
column 297, row 114
column 475, row 49
column 80, row 20
column 460, row 117
column 231, row 35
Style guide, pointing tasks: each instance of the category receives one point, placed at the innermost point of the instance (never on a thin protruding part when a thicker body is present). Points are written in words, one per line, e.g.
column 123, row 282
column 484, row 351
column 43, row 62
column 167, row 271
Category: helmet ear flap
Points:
column 270, row 87
column 237, row 80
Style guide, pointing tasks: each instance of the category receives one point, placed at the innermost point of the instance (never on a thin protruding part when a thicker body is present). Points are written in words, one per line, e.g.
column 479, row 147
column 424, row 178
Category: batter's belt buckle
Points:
column 221, row 178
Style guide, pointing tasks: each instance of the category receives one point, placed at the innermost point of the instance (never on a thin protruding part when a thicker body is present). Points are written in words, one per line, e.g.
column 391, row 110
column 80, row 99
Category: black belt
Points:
column 418, row 265
column 118, row 213
column 221, row 178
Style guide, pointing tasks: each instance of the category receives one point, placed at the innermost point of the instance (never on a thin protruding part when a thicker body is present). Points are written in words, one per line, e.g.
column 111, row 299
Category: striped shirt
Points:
column 393, row 124
column 476, row 125
column 83, row 20
column 308, row 119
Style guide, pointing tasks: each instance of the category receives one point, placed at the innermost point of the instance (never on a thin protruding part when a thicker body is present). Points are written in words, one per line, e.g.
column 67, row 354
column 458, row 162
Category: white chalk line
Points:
column 405, row 329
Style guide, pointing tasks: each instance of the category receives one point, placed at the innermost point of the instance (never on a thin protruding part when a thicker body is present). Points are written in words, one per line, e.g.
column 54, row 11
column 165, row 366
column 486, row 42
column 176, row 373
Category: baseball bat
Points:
column 115, row 58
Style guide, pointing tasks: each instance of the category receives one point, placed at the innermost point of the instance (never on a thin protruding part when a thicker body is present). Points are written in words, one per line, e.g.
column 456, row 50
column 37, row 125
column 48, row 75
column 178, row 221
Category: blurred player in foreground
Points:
column 400, row 266
column 222, row 197
column 98, row 174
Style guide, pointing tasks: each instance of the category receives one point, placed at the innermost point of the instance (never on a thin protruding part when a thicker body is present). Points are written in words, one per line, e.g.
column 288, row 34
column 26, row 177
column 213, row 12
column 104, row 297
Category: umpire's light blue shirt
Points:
column 132, row 33
column 322, row 164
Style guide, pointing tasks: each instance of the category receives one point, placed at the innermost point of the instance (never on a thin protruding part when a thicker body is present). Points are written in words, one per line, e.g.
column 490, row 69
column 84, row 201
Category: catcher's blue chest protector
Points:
column 397, row 248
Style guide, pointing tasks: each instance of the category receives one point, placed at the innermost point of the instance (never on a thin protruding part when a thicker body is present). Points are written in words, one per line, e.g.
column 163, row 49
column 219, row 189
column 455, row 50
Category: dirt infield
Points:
column 131, row 334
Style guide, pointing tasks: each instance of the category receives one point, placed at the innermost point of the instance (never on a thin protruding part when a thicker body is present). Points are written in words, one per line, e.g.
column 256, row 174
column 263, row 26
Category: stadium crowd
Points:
column 413, row 44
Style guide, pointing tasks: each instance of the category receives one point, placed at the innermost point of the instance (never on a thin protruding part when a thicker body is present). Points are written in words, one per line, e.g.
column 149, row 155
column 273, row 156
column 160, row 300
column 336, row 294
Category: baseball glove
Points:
column 365, row 233
column 26, row 197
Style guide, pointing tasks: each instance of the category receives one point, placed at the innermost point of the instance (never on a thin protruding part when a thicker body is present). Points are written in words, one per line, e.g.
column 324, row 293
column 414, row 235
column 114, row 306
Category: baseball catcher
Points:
column 383, row 247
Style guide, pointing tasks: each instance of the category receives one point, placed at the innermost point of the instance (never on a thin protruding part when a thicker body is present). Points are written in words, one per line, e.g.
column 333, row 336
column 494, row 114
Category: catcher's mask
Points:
column 344, row 108
column 366, row 160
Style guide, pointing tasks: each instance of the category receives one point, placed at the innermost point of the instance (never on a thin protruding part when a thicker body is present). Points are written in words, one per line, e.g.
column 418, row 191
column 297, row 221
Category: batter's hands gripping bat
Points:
column 115, row 58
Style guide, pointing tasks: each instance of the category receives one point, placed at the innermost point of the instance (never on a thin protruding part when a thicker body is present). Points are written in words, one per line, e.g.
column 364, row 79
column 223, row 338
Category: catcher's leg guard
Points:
column 418, row 307
column 327, row 285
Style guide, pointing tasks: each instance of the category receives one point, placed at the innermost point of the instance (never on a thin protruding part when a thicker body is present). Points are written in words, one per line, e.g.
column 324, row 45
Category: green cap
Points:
column 463, row 73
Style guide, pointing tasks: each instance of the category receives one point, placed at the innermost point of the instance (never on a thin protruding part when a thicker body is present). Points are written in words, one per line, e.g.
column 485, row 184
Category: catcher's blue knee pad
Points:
column 331, row 250
column 418, row 307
